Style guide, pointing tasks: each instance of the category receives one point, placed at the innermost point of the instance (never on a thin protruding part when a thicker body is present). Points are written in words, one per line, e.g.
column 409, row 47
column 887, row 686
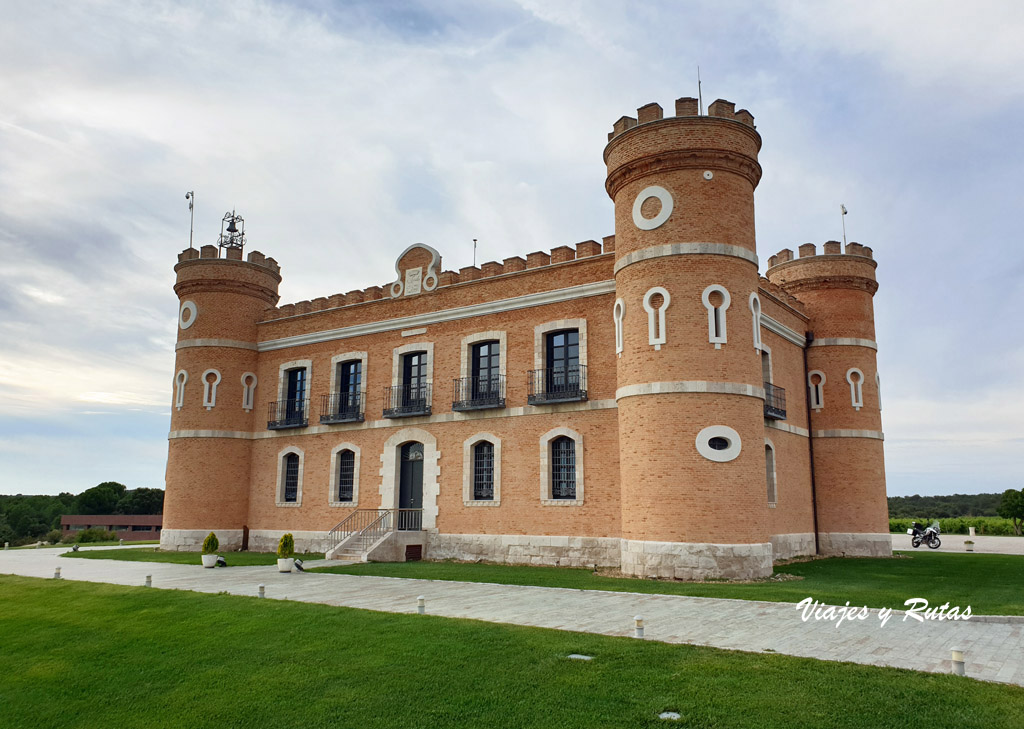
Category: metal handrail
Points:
column 774, row 402
column 478, row 393
column 407, row 399
column 287, row 414
column 365, row 526
column 556, row 384
column 341, row 407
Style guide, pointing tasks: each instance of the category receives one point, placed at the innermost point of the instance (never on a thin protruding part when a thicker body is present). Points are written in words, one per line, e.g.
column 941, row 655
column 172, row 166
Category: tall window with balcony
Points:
column 412, row 396
column 291, row 412
column 345, row 405
column 774, row 397
column 564, row 379
column 485, row 387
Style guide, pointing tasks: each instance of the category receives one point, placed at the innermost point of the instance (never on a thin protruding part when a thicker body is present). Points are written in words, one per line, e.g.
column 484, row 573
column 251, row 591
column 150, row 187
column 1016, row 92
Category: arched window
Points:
column 483, row 471
column 291, row 478
column 816, row 384
column 346, row 475
column 211, row 378
column 716, row 300
column 563, row 468
column 856, row 379
column 769, row 472
column 618, row 314
column 179, row 382
column 656, row 301
column 755, row 311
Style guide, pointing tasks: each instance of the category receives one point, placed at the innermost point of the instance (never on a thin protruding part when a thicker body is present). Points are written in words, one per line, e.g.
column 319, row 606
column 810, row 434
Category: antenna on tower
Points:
column 191, row 197
column 842, row 209
column 700, row 98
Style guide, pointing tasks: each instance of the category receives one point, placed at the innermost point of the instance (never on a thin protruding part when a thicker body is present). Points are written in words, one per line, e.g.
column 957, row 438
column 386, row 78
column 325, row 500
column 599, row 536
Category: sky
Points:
column 345, row 131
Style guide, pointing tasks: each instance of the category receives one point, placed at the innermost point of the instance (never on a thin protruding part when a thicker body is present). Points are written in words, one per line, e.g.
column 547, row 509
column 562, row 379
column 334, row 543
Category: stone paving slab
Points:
column 992, row 649
column 955, row 543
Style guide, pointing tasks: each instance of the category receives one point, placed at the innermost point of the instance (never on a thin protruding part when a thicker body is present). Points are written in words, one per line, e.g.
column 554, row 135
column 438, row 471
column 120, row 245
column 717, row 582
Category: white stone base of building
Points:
column 265, row 540
column 847, row 544
column 191, row 540
column 696, row 560
column 788, row 546
column 526, row 549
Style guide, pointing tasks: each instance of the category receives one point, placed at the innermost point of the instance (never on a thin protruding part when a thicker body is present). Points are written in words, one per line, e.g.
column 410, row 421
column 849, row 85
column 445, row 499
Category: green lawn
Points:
column 989, row 583
column 234, row 559
column 85, row 655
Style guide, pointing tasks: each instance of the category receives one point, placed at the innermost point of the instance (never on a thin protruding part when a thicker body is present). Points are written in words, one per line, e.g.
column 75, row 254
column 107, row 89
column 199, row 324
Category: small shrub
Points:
column 96, row 534
column 211, row 544
column 286, row 547
column 68, row 538
column 53, row 536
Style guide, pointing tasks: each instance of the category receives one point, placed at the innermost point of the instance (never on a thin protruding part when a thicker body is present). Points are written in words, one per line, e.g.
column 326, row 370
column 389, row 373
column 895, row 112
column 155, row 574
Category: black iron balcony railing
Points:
column 774, row 402
column 287, row 414
column 557, row 385
column 341, row 407
column 403, row 401
column 479, row 393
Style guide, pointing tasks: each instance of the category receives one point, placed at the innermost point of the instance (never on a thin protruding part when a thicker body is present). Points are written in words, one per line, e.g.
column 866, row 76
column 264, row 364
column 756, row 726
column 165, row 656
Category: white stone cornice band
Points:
column 683, row 249
column 452, row 417
column 232, row 343
column 435, row 317
column 875, row 434
column 719, row 388
column 786, row 428
column 844, row 342
column 783, row 331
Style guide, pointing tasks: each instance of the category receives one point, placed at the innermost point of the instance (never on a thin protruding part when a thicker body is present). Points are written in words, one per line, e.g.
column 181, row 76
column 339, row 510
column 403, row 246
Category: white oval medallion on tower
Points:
column 646, row 194
column 187, row 314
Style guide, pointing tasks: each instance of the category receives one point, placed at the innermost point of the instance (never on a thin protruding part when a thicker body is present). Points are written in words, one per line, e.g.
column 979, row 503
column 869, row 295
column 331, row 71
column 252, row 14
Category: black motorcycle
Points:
column 929, row 536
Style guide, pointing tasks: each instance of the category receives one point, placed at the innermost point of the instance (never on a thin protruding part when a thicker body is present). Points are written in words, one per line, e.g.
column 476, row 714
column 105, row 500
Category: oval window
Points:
column 718, row 443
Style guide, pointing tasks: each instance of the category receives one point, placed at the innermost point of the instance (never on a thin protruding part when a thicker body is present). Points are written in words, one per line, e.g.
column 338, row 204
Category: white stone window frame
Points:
column 210, row 389
column 545, row 467
column 193, row 313
column 279, row 497
column 878, row 389
column 656, row 331
column 755, row 312
column 719, row 431
column 540, row 332
column 766, row 350
column 396, row 364
column 468, row 469
column 816, row 393
column 772, row 502
column 390, row 472
column 332, row 480
column 363, row 360
column 663, row 196
column 618, row 315
column 249, row 391
column 180, row 380
column 856, row 387
column 466, row 351
column 282, row 377
column 722, row 337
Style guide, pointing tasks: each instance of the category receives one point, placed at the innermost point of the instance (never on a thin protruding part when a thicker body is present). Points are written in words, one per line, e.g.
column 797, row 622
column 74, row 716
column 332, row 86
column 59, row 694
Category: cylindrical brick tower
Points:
column 842, row 378
column 214, row 394
column 690, row 392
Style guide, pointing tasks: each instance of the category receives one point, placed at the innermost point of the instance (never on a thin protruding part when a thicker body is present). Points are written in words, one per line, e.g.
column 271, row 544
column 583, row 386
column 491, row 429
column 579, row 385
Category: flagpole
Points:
column 842, row 210
column 191, row 197
column 474, row 253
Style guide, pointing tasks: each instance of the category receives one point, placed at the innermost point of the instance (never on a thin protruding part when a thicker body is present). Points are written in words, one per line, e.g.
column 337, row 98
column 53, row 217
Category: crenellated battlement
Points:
column 686, row 106
column 230, row 254
column 488, row 270
column 781, row 294
column 810, row 250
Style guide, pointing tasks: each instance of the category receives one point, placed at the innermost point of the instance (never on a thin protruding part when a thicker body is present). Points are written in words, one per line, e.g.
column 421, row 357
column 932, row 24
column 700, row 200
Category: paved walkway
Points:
column 955, row 543
column 992, row 649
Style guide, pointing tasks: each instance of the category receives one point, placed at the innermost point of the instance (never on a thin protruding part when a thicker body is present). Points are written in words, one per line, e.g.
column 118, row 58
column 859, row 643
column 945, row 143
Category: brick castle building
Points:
column 647, row 403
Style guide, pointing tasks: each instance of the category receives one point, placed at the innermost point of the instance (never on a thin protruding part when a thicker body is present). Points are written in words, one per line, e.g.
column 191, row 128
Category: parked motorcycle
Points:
column 929, row 536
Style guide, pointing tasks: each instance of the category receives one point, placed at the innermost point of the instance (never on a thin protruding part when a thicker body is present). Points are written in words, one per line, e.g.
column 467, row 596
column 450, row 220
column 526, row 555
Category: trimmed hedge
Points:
column 983, row 525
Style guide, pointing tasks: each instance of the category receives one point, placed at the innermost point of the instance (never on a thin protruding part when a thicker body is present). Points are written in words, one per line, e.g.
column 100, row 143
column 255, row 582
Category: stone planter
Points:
column 285, row 565
column 209, row 560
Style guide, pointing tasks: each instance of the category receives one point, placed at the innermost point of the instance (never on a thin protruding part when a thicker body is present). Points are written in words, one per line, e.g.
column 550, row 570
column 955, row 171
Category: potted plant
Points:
column 285, row 553
column 210, row 547
column 970, row 545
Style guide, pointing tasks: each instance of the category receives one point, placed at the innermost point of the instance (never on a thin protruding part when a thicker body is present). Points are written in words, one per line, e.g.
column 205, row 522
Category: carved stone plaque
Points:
column 413, row 280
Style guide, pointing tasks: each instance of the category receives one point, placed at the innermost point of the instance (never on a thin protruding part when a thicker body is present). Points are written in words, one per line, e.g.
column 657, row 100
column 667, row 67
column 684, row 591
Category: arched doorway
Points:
column 410, row 486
